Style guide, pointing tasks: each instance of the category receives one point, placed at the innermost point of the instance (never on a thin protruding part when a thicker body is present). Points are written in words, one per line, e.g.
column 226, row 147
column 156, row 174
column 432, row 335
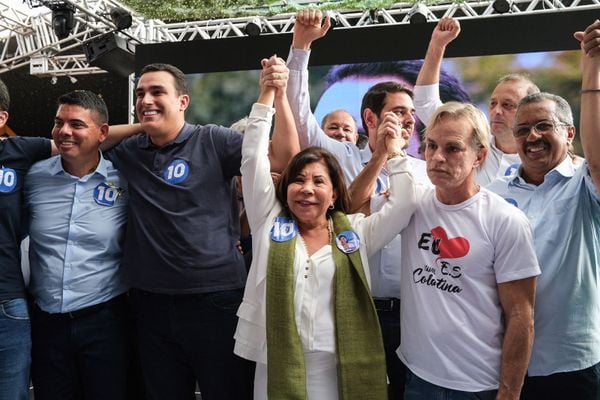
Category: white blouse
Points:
column 314, row 297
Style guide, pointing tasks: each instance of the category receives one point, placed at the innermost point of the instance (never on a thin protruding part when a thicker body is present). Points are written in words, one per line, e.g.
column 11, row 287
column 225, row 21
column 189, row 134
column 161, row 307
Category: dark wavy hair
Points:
column 4, row 97
column 312, row 155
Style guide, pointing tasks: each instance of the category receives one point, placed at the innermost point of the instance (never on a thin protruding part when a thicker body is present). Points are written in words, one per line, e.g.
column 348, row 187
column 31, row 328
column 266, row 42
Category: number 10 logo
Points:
column 105, row 195
column 176, row 172
column 8, row 180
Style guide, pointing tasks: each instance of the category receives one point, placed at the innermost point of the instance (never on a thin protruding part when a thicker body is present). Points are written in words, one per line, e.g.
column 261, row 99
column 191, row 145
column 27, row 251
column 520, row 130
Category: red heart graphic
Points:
column 450, row 248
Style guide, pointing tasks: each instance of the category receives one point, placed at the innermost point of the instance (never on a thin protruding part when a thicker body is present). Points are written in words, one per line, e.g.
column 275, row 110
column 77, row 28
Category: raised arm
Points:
column 516, row 299
column 382, row 226
column 363, row 186
column 428, row 99
column 284, row 144
column 257, row 185
column 589, row 124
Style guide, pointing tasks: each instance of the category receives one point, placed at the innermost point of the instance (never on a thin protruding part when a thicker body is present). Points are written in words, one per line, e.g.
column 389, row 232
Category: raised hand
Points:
column 446, row 30
column 309, row 27
column 274, row 74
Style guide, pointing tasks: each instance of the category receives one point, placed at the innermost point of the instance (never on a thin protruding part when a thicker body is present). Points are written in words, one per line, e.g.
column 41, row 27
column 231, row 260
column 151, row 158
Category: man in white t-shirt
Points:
column 468, row 273
column 502, row 159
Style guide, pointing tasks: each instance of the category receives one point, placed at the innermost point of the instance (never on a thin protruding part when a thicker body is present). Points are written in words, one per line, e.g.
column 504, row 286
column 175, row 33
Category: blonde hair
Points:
column 477, row 119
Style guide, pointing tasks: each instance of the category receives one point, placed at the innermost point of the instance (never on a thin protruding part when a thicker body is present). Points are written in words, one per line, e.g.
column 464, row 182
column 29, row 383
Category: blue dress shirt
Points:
column 77, row 228
column 564, row 212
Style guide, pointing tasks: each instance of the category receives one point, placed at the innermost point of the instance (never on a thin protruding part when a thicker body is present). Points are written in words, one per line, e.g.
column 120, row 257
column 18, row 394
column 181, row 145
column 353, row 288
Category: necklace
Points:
column 329, row 234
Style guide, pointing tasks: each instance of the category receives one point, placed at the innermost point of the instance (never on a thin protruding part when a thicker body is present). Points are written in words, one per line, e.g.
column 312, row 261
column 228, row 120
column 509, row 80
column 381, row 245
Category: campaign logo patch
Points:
column 106, row 195
column 283, row 229
column 512, row 169
column 177, row 171
column 512, row 201
column 347, row 241
column 8, row 180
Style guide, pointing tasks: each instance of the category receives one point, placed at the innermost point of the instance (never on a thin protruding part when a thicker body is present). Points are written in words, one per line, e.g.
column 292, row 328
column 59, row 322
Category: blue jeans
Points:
column 581, row 385
column 86, row 357
column 15, row 350
column 390, row 330
column 188, row 339
column 419, row 389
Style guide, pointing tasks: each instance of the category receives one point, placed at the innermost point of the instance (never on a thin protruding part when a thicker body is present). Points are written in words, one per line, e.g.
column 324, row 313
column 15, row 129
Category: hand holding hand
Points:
column 274, row 75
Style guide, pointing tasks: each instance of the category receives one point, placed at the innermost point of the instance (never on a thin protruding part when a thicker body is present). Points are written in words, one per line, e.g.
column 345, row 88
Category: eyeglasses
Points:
column 541, row 128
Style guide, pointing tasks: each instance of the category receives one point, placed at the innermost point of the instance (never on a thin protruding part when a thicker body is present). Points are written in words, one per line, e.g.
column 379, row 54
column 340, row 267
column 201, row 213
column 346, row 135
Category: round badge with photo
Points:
column 284, row 229
column 347, row 241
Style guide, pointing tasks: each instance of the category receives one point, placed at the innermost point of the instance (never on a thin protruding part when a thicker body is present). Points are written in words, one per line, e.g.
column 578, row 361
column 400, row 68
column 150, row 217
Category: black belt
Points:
column 84, row 312
column 387, row 304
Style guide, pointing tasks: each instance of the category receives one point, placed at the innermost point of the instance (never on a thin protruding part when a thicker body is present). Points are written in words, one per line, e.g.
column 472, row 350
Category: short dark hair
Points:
column 178, row 75
column 87, row 100
column 312, row 155
column 4, row 97
column 375, row 98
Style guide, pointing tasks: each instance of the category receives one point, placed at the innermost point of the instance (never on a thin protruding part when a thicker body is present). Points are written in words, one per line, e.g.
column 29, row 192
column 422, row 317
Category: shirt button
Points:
column 305, row 276
column 306, row 268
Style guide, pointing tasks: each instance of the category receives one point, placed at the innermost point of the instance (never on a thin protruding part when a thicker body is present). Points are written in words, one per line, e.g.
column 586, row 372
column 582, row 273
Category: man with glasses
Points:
column 562, row 203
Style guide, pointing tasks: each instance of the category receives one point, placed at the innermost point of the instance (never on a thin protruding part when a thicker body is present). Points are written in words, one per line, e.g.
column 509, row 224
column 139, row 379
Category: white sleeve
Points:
column 382, row 226
column 427, row 100
column 257, row 185
column 309, row 129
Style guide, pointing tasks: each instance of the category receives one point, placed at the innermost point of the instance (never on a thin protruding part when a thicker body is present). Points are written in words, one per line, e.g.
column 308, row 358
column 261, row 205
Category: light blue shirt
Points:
column 564, row 212
column 77, row 228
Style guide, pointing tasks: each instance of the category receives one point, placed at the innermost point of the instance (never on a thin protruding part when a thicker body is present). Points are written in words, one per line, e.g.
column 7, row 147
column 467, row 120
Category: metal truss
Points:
column 25, row 38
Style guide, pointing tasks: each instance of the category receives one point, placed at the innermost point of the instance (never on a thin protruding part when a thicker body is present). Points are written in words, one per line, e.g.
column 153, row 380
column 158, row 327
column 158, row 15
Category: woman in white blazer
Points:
column 307, row 318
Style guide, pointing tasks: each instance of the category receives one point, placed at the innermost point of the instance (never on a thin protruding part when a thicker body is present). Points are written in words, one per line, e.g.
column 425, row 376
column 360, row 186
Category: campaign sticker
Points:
column 105, row 195
column 347, row 242
column 8, row 180
column 283, row 229
column 512, row 169
column 512, row 201
column 177, row 171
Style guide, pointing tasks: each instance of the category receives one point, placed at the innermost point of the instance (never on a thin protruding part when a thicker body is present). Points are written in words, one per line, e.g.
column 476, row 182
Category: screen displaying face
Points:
column 224, row 98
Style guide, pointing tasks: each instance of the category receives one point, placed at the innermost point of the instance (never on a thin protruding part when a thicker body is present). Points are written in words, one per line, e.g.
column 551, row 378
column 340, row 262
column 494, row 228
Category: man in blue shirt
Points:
column 562, row 203
column 77, row 206
column 16, row 156
column 180, row 251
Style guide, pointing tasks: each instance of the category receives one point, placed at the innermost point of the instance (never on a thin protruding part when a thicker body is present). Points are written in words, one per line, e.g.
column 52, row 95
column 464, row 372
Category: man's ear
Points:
column 370, row 118
column 3, row 118
column 103, row 133
column 481, row 155
column 184, row 102
column 571, row 132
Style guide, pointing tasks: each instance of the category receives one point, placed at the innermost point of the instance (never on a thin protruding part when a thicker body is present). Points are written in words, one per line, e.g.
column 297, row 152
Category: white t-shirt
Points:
column 454, row 258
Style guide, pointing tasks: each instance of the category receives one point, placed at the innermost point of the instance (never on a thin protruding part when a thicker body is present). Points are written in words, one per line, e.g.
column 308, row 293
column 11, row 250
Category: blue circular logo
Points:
column 8, row 180
column 177, row 171
column 283, row 229
column 105, row 195
column 512, row 201
column 512, row 168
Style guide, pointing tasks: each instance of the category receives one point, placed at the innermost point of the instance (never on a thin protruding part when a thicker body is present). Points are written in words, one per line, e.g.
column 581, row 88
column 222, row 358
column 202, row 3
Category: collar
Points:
column 56, row 167
column 183, row 134
column 565, row 168
column 365, row 154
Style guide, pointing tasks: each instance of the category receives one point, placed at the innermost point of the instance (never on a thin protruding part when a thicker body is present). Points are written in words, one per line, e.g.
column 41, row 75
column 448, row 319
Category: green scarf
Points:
column 360, row 355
